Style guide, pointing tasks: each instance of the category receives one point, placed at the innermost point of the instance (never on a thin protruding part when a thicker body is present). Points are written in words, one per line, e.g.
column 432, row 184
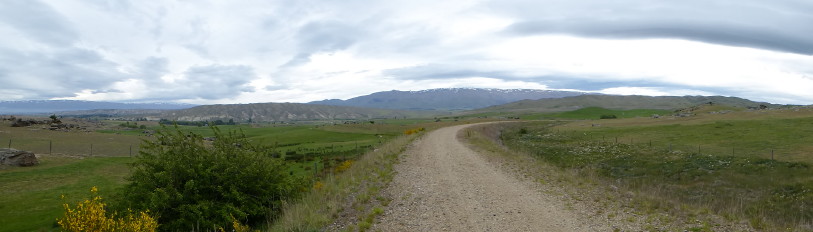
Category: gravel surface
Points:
column 442, row 185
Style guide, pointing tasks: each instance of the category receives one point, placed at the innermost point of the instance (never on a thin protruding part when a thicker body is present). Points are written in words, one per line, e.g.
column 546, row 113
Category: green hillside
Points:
column 596, row 113
column 617, row 103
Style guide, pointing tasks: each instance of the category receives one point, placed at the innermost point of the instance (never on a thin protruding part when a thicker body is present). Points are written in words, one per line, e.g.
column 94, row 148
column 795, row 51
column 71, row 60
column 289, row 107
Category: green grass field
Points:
column 709, row 162
column 789, row 139
column 596, row 113
column 70, row 143
column 31, row 195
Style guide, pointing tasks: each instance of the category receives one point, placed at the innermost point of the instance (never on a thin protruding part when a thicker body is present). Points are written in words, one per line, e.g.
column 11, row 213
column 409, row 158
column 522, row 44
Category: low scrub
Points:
column 769, row 194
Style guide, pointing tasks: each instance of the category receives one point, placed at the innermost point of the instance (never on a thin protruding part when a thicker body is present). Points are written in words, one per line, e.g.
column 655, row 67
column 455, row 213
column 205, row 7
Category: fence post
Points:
column 616, row 140
column 9, row 143
column 670, row 146
column 50, row 146
column 650, row 143
column 91, row 150
column 772, row 154
column 732, row 151
column 131, row 151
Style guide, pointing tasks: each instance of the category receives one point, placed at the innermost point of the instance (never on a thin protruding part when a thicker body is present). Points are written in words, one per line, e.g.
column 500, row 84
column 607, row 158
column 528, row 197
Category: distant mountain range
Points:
column 389, row 104
column 275, row 112
column 618, row 102
column 450, row 99
column 53, row 106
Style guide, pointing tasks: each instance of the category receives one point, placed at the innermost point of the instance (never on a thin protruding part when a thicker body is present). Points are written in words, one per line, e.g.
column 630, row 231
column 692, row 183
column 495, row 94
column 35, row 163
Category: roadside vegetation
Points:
column 310, row 159
column 723, row 165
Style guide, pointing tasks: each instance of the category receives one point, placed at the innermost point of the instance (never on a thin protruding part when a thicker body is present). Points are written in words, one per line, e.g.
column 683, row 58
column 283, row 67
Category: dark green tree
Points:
column 55, row 119
column 189, row 184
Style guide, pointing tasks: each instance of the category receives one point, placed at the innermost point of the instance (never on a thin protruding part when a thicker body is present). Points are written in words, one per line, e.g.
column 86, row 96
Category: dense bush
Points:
column 194, row 185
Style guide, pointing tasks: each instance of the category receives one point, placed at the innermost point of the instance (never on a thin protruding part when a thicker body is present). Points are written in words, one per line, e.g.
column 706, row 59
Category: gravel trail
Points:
column 442, row 185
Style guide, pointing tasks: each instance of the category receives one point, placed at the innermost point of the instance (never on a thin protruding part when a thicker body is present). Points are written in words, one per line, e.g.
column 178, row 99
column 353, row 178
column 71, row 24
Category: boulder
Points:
column 14, row 157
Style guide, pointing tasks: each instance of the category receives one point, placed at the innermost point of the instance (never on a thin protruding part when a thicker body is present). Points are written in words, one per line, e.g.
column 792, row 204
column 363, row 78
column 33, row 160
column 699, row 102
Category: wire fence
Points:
column 100, row 148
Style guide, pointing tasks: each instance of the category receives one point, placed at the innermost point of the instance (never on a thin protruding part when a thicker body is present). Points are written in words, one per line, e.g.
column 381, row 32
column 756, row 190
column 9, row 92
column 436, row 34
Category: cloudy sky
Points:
column 208, row 52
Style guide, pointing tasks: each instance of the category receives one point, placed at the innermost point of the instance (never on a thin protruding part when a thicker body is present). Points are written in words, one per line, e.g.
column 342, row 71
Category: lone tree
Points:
column 55, row 119
column 192, row 185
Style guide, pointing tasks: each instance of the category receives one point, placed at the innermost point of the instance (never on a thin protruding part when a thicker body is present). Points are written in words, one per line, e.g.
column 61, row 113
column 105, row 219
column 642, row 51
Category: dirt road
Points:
column 442, row 185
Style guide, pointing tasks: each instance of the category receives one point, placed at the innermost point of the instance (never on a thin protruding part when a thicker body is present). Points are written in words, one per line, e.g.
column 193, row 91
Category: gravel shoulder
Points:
column 442, row 185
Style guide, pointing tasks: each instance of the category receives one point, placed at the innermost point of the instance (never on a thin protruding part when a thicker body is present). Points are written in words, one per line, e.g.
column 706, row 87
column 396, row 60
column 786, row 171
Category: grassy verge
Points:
column 767, row 194
column 600, row 201
column 359, row 183
column 31, row 195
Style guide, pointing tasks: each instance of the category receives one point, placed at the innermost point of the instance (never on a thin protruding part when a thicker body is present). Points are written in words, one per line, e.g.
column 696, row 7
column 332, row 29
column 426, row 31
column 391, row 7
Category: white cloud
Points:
column 651, row 91
column 297, row 51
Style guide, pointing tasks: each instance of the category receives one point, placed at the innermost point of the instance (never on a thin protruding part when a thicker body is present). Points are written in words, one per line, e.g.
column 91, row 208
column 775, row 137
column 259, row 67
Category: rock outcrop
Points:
column 14, row 157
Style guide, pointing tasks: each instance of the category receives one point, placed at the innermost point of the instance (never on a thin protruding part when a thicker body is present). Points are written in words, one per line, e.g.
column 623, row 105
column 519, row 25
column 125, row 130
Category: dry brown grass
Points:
column 40, row 140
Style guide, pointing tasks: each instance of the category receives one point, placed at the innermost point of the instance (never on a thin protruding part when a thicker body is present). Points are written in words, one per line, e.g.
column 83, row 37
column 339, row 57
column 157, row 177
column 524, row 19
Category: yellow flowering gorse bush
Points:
column 90, row 215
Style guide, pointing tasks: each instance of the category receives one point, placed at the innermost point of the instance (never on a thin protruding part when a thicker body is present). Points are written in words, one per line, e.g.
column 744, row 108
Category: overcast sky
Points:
column 206, row 52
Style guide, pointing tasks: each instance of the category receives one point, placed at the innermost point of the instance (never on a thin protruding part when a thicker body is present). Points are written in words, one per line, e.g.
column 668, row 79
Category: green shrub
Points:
column 190, row 184
column 608, row 116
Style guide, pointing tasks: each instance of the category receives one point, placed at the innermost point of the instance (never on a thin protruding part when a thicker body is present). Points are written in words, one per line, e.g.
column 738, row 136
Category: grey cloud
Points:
column 327, row 36
column 216, row 81
column 38, row 21
column 152, row 69
column 780, row 25
column 323, row 36
column 58, row 73
column 197, row 36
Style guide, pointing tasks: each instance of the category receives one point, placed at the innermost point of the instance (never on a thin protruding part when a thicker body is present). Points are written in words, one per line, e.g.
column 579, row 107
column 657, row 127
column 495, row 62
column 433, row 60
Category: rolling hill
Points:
column 618, row 102
column 450, row 99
